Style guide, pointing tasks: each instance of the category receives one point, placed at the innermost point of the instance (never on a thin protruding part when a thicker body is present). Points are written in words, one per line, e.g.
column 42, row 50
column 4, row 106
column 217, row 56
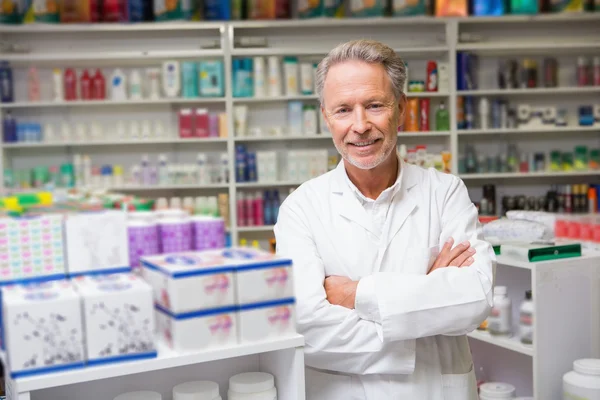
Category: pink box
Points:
column 213, row 125
column 201, row 122
column 186, row 125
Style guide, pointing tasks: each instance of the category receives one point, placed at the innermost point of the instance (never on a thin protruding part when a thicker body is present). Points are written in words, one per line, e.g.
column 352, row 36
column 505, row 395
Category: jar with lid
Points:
column 141, row 395
column 499, row 321
column 197, row 390
column 496, row 391
column 252, row 386
column 526, row 319
column 584, row 381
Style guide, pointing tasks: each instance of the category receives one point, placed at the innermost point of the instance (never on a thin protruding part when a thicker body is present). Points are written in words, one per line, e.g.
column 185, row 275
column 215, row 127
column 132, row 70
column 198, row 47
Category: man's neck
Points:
column 372, row 182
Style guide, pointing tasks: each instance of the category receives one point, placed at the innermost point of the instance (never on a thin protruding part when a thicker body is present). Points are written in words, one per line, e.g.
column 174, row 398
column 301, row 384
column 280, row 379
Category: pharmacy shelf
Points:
column 404, row 51
column 423, row 134
column 266, row 228
column 523, row 131
column 524, row 175
column 110, row 56
column 282, row 138
column 247, row 185
column 111, row 27
column 529, row 92
column 274, row 98
column 510, row 262
column 528, row 47
column 149, row 188
column 337, row 22
column 166, row 359
column 110, row 103
column 426, row 94
column 511, row 19
column 115, row 142
column 509, row 343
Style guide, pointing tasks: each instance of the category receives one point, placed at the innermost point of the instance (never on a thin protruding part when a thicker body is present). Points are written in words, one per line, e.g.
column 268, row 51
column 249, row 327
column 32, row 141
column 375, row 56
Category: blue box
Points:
column 212, row 83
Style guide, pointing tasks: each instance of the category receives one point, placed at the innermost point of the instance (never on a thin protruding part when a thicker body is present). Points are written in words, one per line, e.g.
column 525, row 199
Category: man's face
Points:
column 362, row 112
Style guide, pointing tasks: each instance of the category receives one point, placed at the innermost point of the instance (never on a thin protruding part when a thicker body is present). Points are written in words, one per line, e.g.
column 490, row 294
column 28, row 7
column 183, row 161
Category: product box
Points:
column 45, row 11
column 97, row 241
column 268, row 9
column 217, row 10
column 13, row 11
column 31, row 247
column 295, row 117
column 402, row 8
column 488, row 7
column 186, row 123
column 167, row 10
column 320, row 8
column 567, row 5
column 79, row 11
column 524, row 6
column 118, row 317
column 42, row 327
column 367, row 8
column 451, row 8
column 201, row 123
column 211, row 79
column 199, row 330
column 190, row 281
column 260, row 321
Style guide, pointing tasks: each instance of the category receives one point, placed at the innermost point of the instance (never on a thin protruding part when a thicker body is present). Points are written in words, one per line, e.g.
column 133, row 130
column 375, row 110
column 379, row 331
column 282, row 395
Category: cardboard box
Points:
column 403, row 8
column 118, row 317
column 198, row 330
column 264, row 280
column 97, row 241
column 190, row 281
column 368, row 8
column 42, row 327
column 260, row 321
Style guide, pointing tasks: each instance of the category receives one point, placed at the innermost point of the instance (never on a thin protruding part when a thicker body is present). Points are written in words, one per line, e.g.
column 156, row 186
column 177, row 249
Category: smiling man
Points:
column 390, row 267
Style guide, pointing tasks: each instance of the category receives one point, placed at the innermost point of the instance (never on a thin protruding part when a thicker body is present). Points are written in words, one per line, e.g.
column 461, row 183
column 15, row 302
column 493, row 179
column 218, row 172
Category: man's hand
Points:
column 341, row 291
column 460, row 256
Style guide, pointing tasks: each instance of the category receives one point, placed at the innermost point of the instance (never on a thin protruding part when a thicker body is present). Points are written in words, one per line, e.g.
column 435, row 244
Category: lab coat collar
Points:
column 348, row 205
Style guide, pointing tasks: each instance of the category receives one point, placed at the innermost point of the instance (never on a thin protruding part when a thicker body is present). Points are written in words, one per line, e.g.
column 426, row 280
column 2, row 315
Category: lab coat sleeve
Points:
column 336, row 338
column 448, row 301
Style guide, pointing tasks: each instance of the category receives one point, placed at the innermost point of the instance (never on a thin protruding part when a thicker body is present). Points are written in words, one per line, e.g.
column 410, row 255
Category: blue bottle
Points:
column 6, row 83
column 251, row 160
column 10, row 128
column 267, row 209
column 241, row 169
column 276, row 204
column 248, row 77
column 236, row 66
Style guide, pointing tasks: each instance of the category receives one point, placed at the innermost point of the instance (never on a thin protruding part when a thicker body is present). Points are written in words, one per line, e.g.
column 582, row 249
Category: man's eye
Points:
column 375, row 106
column 342, row 110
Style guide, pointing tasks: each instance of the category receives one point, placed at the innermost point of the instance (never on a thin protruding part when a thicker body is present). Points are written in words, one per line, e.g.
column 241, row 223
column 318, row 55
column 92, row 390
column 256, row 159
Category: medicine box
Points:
column 118, row 317
column 211, row 79
column 42, row 327
column 31, row 247
column 368, row 8
column 190, row 281
column 97, row 241
column 320, row 8
column 408, row 7
column 295, row 118
column 260, row 321
column 198, row 330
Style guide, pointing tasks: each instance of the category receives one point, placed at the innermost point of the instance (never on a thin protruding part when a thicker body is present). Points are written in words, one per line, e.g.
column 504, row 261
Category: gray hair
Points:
column 369, row 51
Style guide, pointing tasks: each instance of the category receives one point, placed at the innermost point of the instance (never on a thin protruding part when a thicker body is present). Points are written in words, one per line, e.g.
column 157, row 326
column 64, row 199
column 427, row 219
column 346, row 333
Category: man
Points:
column 384, row 297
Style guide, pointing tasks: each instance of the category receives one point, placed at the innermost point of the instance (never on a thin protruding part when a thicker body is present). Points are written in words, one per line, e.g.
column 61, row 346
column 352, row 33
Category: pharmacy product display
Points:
column 196, row 390
column 252, row 385
column 225, row 312
column 417, row 117
column 200, row 123
column 584, row 381
column 418, row 155
column 302, row 120
column 496, row 390
column 581, row 158
column 171, row 80
column 259, row 208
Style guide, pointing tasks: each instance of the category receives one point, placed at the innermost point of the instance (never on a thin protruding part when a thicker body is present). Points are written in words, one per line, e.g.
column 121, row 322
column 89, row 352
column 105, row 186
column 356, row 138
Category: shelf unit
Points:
column 416, row 39
column 566, row 297
column 282, row 357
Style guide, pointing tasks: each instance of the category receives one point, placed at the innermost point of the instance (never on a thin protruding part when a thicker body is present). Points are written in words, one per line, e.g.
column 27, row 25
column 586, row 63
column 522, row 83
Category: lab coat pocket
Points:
column 460, row 386
column 321, row 385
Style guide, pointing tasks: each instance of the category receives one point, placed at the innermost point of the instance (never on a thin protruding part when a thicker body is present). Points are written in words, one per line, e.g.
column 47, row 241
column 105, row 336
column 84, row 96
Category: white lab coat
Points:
column 418, row 349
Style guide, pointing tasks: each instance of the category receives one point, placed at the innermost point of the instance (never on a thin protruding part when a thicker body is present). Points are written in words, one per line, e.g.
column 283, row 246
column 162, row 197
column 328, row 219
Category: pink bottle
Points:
column 249, row 205
column 241, row 210
column 70, row 84
column 201, row 123
column 86, row 86
column 186, row 126
column 259, row 216
column 98, row 86
column 33, row 85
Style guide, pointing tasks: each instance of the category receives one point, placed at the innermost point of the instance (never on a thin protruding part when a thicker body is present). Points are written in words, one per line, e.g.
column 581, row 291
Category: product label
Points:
column 220, row 325
column 498, row 321
column 526, row 327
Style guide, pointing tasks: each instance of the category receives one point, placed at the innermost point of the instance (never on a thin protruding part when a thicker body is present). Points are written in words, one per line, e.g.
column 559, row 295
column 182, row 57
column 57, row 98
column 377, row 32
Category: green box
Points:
column 320, row 8
column 404, row 8
column 368, row 8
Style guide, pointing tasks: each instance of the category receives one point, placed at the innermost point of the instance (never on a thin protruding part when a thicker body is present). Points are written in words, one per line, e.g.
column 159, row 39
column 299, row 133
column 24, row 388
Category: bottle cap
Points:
column 528, row 295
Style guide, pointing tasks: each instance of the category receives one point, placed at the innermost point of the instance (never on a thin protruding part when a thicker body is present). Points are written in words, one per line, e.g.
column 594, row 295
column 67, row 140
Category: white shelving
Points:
column 274, row 98
column 281, row 138
column 509, row 343
column 92, row 143
column 530, row 175
column 529, row 92
column 533, row 47
column 405, row 51
column 149, row 188
column 111, row 103
column 112, row 27
column 266, row 228
column 268, row 355
column 248, row 185
column 521, row 131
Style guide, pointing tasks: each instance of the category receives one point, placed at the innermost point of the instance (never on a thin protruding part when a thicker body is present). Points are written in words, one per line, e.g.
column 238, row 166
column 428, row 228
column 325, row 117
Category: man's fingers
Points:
column 459, row 249
column 458, row 261
column 443, row 256
column 469, row 261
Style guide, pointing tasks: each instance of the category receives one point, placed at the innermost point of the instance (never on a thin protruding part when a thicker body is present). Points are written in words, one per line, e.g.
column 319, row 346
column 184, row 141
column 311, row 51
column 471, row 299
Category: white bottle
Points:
column 403, row 152
column 175, row 203
column 584, row 381
column 58, row 85
column 159, row 130
column 171, row 79
column 145, row 170
column 306, row 78
column 163, row 170
column 153, row 76
column 87, row 170
column 49, row 135
column 274, row 77
column 121, row 130
column 484, row 113
column 309, row 120
column 260, row 84
column 118, row 85
column 135, row 85
column 500, row 319
column 188, row 205
column 134, row 130
column 201, row 169
column 290, row 68
column 78, row 166
column 146, row 129
column 526, row 319
column 224, row 172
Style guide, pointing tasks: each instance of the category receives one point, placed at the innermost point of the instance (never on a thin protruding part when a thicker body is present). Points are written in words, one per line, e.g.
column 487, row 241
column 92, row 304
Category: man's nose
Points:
column 361, row 122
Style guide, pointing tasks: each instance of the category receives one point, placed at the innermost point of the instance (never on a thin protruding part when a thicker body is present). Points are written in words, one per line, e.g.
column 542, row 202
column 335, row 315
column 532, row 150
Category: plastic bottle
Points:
column 260, row 84
column 499, row 322
column 86, row 86
column 274, row 77
column 6, row 83
column 259, row 216
column 290, row 67
column 484, row 113
column 275, row 204
column 163, row 170
column 78, row 165
column 87, row 170
column 201, row 168
column 58, row 85
column 442, row 118
column 98, row 86
column 249, row 209
column 33, row 85
column 145, row 170
column 118, row 85
column 135, row 85
column 10, row 128
column 241, row 209
column 526, row 319
column 584, row 381
column 70, row 82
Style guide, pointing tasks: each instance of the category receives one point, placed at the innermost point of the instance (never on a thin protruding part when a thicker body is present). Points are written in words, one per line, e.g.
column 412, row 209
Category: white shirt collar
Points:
column 390, row 191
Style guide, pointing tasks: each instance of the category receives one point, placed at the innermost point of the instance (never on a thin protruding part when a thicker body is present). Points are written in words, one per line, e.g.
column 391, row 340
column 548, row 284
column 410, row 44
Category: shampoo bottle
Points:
column 98, row 86
column 70, row 84
column 274, row 77
column 33, row 85
column 6, row 83
column 442, row 118
column 190, row 79
column 86, row 86
column 260, row 85
column 153, row 76
column 135, row 85
column 58, row 85
column 171, row 79
column 118, row 85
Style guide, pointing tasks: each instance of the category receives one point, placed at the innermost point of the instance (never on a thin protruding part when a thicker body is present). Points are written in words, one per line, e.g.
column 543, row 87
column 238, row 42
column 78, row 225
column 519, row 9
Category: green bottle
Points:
column 442, row 118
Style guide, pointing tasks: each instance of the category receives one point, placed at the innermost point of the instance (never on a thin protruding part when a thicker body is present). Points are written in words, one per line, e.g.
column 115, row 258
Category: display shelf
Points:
column 267, row 99
column 245, row 185
column 93, row 143
column 426, row 94
column 524, row 175
column 529, row 47
column 529, row 92
column 111, row 27
column 135, row 188
column 521, row 131
column 281, row 138
column 507, row 261
column 403, row 51
column 265, row 228
column 337, row 22
column 109, row 56
column 110, row 103
column 424, row 134
column 166, row 359
column 539, row 18
column 509, row 343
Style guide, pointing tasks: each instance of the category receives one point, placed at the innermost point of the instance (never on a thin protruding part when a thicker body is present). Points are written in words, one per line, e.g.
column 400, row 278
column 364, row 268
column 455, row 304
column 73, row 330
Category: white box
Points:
column 97, row 241
column 262, row 276
column 198, row 330
column 443, row 77
column 190, row 281
column 295, row 118
column 118, row 317
column 42, row 327
column 260, row 321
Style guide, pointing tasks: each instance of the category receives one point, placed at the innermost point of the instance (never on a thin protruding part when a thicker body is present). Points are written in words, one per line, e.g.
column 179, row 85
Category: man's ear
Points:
column 401, row 110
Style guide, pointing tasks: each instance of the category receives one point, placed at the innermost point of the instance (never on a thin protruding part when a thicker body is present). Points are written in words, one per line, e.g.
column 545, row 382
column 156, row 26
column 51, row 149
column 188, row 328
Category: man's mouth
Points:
column 364, row 143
